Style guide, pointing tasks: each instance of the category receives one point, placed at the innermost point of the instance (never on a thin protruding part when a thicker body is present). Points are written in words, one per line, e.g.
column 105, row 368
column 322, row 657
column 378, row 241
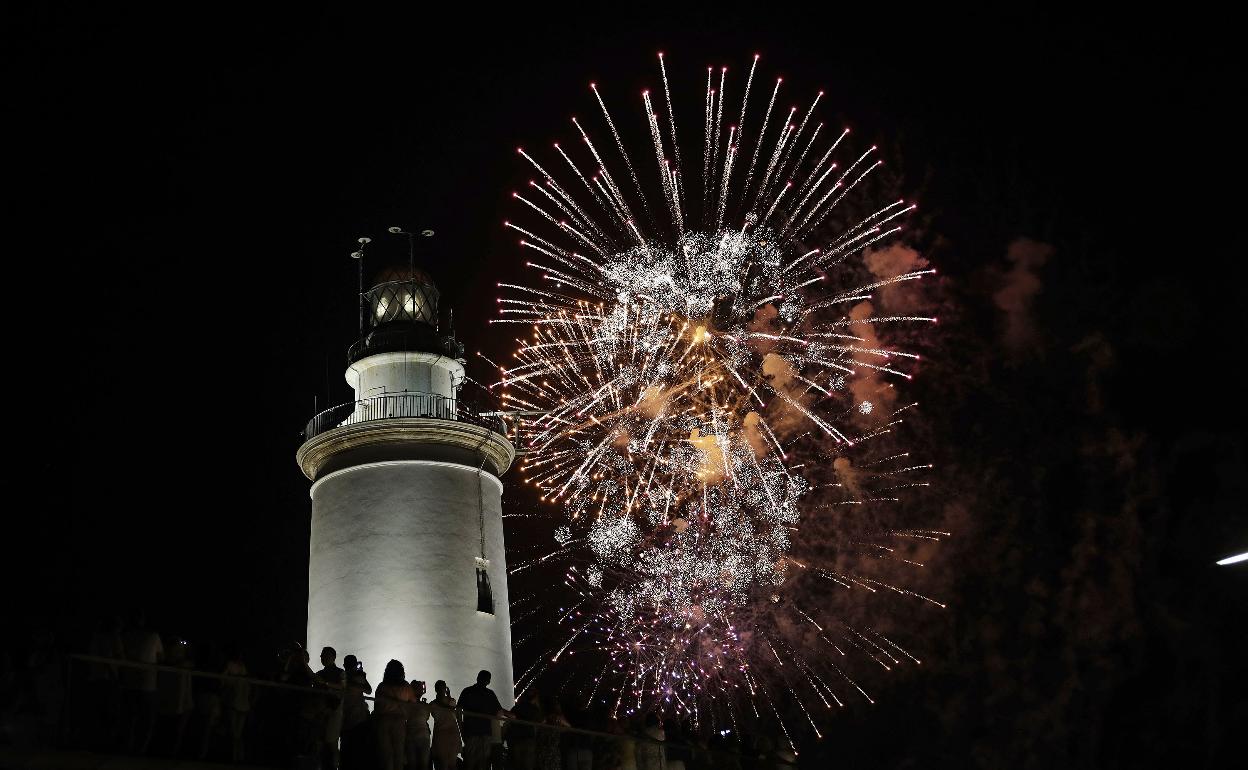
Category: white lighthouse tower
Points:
column 406, row 557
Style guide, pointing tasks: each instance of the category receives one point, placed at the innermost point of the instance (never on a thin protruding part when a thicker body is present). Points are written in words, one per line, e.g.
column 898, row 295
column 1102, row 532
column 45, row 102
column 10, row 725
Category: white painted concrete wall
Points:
column 398, row 372
column 392, row 572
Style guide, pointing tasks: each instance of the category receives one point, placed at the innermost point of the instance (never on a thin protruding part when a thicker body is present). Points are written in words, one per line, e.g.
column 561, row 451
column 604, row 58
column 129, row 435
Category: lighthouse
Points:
column 406, row 558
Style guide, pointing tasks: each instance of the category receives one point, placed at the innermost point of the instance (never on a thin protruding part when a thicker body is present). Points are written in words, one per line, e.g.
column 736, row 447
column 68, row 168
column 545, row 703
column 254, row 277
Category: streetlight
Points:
column 1233, row 559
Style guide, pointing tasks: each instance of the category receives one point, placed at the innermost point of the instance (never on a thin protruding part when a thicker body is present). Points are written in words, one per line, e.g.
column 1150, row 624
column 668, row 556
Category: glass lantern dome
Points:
column 400, row 313
column 402, row 296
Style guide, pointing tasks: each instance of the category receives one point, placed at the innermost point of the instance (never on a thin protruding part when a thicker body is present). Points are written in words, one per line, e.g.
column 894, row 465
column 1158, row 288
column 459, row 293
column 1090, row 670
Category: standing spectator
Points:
column 478, row 731
column 497, row 754
column 46, row 676
column 722, row 752
column 700, row 750
column 522, row 738
column 625, row 745
column 355, row 737
column 207, row 692
column 236, row 698
column 763, row 750
column 104, row 683
column 785, row 757
column 606, row 751
column 306, row 709
column 390, row 714
column 578, row 748
column 335, row 679
column 11, row 696
column 649, row 748
column 549, row 755
column 142, row 645
column 418, row 729
column 677, row 750
column 446, row 736
column 748, row 749
column 174, row 693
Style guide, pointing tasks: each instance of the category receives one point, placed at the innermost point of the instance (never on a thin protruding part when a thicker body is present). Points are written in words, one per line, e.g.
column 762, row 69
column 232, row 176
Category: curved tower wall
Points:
column 397, row 372
column 392, row 571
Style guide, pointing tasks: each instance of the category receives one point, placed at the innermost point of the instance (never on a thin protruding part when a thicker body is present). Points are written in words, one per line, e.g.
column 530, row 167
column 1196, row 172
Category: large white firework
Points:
column 673, row 351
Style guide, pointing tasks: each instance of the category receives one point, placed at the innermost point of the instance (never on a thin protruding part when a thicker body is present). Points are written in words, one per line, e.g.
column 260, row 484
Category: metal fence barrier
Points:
column 404, row 404
column 269, row 711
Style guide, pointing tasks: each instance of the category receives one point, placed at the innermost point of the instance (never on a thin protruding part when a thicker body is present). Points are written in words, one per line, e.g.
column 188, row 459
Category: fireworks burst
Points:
column 678, row 356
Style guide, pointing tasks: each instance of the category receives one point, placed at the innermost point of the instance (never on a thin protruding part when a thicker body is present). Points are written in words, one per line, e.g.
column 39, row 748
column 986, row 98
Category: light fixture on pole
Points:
column 1233, row 559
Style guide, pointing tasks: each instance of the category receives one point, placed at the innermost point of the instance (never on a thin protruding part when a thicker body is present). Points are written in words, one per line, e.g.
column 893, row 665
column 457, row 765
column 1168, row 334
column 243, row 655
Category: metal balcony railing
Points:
column 406, row 404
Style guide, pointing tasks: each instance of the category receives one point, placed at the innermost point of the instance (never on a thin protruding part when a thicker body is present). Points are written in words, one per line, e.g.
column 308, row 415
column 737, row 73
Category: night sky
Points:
column 185, row 191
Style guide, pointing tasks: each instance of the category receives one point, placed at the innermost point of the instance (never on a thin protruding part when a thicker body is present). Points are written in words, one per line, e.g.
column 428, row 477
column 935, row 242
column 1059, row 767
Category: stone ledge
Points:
column 494, row 448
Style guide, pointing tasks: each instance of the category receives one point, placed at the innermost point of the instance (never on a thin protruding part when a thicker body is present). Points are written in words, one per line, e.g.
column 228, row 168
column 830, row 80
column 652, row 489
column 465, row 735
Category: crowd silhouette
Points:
column 140, row 693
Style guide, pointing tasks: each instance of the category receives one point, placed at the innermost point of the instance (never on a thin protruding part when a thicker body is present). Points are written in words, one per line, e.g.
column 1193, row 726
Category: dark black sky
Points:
column 187, row 187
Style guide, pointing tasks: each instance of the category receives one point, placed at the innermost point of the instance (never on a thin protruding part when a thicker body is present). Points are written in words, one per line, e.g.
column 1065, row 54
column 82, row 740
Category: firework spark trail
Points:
column 814, row 179
column 666, row 373
column 719, row 123
column 619, row 143
column 819, row 210
column 782, row 142
column 593, row 191
column 671, row 118
column 797, row 135
column 620, row 206
column 669, row 184
column 730, row 158
column 708, row 125
column 762, row 134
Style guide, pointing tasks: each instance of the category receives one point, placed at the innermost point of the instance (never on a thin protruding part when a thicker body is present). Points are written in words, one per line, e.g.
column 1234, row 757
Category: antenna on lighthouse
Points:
column 411, row 252
column 358, row 254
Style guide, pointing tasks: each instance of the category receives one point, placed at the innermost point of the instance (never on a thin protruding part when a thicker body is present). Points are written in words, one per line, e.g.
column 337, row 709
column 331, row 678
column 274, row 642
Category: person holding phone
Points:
column 355, row 735
column 446, row 738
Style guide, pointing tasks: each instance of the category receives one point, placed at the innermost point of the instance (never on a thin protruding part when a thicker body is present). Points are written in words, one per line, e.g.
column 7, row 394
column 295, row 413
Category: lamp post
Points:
column 1233, row 559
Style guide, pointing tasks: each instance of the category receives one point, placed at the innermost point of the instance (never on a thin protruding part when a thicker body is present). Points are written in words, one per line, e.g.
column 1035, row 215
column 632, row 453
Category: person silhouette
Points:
column 522, row 738
column 335, row 680
column 393, row 696
column 142, row 645
column 103, row 681
column 418, row 729
column 650, row 754
column 355, row 743
column 478, row 730
column 236, row 699
column 446, row 736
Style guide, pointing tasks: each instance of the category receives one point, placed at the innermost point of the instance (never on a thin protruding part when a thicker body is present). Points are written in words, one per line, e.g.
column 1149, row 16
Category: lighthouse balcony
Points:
column 405, row 426
column 407, row 404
